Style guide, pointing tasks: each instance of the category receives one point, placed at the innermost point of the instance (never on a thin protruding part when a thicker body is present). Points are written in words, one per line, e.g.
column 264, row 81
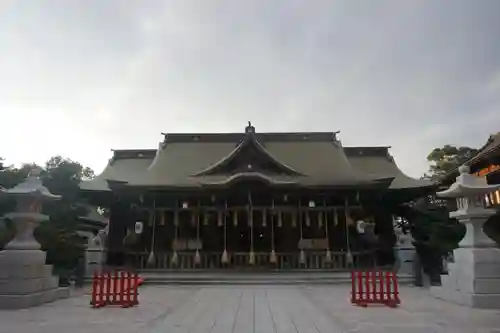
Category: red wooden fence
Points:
column 374, row 287
column 117, row 288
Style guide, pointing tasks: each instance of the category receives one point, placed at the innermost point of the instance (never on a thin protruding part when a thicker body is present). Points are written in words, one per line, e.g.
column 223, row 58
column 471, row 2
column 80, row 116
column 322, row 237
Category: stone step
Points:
column 29, row 300
column 25, row 272
column 481, row 301
column 246, row 278
column 28, row 286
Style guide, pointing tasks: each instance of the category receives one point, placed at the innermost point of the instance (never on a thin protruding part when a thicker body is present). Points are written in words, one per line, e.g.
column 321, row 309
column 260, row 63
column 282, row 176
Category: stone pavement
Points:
column 252, row 309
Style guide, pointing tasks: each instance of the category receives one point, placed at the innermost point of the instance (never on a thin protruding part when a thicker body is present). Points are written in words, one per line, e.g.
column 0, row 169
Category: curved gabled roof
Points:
column 376, row 161
column 250, row 141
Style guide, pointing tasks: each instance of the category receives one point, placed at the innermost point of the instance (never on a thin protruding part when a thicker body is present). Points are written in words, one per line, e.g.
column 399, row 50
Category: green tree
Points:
column 435, row 235
column 58, row 235
column 447, row 158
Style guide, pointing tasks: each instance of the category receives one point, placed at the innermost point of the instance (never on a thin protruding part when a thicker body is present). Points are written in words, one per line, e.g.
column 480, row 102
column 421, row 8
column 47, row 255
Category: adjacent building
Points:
column 485, row 163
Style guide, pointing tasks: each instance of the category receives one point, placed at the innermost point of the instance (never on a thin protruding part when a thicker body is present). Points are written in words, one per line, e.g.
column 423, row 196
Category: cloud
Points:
column 412, row 74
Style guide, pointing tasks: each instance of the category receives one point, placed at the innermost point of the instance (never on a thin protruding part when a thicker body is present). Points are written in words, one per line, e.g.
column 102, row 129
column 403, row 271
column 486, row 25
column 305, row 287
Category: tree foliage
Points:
column 58, row 235
column 447, row 158
column 435, row 234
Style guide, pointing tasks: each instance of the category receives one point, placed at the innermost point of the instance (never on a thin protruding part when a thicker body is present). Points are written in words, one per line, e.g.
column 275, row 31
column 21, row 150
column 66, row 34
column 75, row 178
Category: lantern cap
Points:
column 31, row 187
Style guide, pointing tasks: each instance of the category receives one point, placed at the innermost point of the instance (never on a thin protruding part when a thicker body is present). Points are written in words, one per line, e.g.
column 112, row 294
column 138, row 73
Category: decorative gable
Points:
column 249, row 156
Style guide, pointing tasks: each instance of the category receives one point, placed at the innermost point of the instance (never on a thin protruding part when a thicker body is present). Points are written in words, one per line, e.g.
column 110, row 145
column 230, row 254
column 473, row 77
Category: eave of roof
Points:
column 491, row 146
column 123, row 166
column 242, row 176
column 379, row 163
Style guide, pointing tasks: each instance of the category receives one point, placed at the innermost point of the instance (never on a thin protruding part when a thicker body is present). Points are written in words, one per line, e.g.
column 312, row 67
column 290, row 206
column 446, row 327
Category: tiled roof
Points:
column 492, row 145
column 318, row 158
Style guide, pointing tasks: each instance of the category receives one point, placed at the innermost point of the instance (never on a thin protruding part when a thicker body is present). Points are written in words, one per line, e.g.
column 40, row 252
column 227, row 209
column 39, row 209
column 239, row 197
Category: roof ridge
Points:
column 240, row 133
column 235, row 137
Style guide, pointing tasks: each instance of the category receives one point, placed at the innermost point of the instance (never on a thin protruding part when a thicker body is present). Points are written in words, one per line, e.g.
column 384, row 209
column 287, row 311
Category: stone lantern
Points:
column 25, row 279
column 474, row 277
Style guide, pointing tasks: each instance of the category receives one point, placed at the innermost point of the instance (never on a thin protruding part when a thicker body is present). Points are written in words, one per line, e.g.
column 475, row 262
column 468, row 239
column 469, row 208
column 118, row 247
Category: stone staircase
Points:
column 213, row 277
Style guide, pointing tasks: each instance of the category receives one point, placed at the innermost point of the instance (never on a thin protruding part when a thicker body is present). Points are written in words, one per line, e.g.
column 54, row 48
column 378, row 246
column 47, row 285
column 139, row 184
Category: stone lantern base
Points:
column 26, row 281
column 474, row 277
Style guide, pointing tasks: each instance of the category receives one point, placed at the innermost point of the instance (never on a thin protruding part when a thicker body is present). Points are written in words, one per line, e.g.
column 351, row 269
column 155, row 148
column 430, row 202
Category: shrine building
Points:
column 485, row 163
column 252, row 200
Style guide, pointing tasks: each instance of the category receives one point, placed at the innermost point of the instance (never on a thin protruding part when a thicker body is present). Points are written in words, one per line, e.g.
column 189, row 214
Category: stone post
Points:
column 95, row 253
column 473, row 279
column 404, row 253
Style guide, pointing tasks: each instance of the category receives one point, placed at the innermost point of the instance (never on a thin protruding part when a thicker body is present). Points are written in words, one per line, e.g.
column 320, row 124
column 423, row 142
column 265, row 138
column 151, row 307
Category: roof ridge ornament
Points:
column 250, row 129
column 336, row 142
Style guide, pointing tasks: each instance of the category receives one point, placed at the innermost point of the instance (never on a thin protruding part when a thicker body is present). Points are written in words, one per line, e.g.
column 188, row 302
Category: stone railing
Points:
column 240, row 260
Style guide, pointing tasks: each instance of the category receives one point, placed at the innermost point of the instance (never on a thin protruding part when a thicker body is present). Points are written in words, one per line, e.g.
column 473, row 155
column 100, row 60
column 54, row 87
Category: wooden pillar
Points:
column 324, row 213
column 272, row 256
column 349, row 258
column 251, row 255
column 152, row 216
column 174, row 259
column 119, row 221
column 225, row 256
column 197, row 258
column 302, row 254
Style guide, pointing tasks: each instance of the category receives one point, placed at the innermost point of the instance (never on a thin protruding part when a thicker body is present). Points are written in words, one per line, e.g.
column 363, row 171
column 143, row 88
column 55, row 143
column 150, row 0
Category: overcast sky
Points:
column 79, row 78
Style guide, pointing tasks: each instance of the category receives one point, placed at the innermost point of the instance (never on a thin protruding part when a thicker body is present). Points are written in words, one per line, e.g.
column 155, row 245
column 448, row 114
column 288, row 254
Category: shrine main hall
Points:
column 252, row 200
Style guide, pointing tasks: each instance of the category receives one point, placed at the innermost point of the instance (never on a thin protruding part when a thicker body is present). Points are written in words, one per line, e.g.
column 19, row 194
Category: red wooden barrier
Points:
column 374, row 287
column 120, row 288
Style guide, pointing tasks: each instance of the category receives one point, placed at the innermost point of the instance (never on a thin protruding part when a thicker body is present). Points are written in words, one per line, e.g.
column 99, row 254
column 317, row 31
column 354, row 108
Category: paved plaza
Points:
column 251, row 309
